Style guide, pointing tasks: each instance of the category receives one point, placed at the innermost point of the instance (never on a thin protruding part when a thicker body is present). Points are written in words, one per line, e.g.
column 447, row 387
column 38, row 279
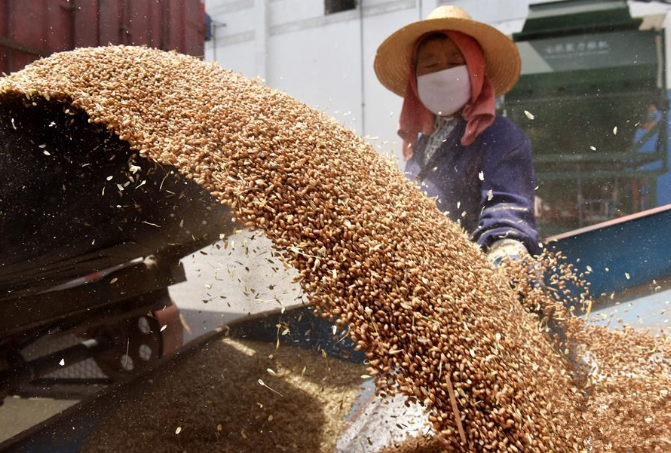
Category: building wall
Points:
column 326, row 61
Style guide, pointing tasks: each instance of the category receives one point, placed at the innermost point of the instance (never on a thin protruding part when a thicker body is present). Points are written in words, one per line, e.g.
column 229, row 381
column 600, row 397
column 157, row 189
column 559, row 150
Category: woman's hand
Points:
column 506, row 249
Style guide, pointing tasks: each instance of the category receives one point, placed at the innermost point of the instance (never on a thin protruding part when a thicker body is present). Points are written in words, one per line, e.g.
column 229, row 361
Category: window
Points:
column 337, row 6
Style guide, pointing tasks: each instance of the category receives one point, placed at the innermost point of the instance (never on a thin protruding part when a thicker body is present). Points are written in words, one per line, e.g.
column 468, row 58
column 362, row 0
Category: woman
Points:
column 449, row 70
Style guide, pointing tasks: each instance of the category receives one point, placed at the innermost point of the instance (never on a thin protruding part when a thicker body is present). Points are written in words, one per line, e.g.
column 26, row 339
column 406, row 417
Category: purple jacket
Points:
column 488, row 186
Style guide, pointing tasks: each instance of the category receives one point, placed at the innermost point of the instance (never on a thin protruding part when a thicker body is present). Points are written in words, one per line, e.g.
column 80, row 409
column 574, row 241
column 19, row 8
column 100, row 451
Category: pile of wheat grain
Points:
column 436, row 320
column 625, row 374
column 213, row 400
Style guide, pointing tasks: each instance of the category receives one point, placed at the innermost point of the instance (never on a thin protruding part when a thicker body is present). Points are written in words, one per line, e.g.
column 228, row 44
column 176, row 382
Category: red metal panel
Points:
column 194, row 43
column 84, row 17
column 186, row 20
column 26, row 26
column 139, row 29
column 58, row 24
column 175, row 19
column 110, row 14
column 4, row 13
column 155, row 24
column 32, row 28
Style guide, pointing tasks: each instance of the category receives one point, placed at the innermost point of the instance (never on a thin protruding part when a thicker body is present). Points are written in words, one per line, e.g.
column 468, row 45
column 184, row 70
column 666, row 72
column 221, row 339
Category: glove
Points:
column 506, row 248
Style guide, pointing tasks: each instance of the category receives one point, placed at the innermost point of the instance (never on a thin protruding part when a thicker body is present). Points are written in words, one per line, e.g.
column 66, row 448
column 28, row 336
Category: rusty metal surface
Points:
column 30, row 29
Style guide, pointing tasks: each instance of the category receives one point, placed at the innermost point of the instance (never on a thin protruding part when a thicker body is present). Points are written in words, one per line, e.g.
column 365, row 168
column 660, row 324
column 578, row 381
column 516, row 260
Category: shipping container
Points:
column 30, row 29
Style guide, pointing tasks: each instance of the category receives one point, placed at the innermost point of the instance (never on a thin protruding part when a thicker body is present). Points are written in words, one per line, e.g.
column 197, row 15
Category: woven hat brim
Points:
column 394, row 56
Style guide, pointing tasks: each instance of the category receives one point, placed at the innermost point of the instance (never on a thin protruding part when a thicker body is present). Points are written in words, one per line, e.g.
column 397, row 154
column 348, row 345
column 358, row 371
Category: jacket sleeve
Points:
column 507, row 198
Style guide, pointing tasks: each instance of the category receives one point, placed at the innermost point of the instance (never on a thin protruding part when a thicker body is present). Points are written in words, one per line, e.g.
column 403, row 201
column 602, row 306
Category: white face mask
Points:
column 445, row 92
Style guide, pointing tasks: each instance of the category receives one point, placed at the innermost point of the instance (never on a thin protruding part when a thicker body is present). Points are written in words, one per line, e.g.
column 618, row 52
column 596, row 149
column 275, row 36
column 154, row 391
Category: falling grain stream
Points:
column 438, row 323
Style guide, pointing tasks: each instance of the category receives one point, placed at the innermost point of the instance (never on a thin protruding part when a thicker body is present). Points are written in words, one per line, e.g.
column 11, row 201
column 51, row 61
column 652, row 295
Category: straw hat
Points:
column 395, row 54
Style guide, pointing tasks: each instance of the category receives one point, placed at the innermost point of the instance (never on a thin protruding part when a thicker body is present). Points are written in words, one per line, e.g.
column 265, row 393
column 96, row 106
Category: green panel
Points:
column 623, row 81
column 573, row 123
column 590, row 51
column 578, row 154
column 569, row 17
column 571, row 176
column 588, row 78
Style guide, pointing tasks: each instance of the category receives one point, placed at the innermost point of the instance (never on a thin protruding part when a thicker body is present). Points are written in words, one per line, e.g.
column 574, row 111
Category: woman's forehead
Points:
column 437, row 44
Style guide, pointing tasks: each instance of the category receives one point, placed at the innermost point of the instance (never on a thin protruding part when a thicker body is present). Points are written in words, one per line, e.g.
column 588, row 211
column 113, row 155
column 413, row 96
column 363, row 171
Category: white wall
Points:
column 321, row 66
column 327, row 61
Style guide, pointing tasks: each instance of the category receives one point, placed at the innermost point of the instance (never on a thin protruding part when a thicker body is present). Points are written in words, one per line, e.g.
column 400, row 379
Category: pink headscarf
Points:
column 479, row 112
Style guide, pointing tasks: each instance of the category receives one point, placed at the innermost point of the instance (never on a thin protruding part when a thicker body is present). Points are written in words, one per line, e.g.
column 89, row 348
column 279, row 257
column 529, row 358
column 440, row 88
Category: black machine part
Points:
column 121, row 342
column 76, row 200
column 22, row 371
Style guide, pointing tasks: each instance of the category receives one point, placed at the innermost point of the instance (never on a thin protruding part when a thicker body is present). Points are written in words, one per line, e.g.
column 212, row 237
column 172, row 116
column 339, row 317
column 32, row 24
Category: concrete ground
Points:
column 18, row 414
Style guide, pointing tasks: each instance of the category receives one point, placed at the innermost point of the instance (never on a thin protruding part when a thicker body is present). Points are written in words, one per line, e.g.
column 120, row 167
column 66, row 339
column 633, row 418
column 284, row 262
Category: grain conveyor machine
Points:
column 629, row 258
column 592, row 97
